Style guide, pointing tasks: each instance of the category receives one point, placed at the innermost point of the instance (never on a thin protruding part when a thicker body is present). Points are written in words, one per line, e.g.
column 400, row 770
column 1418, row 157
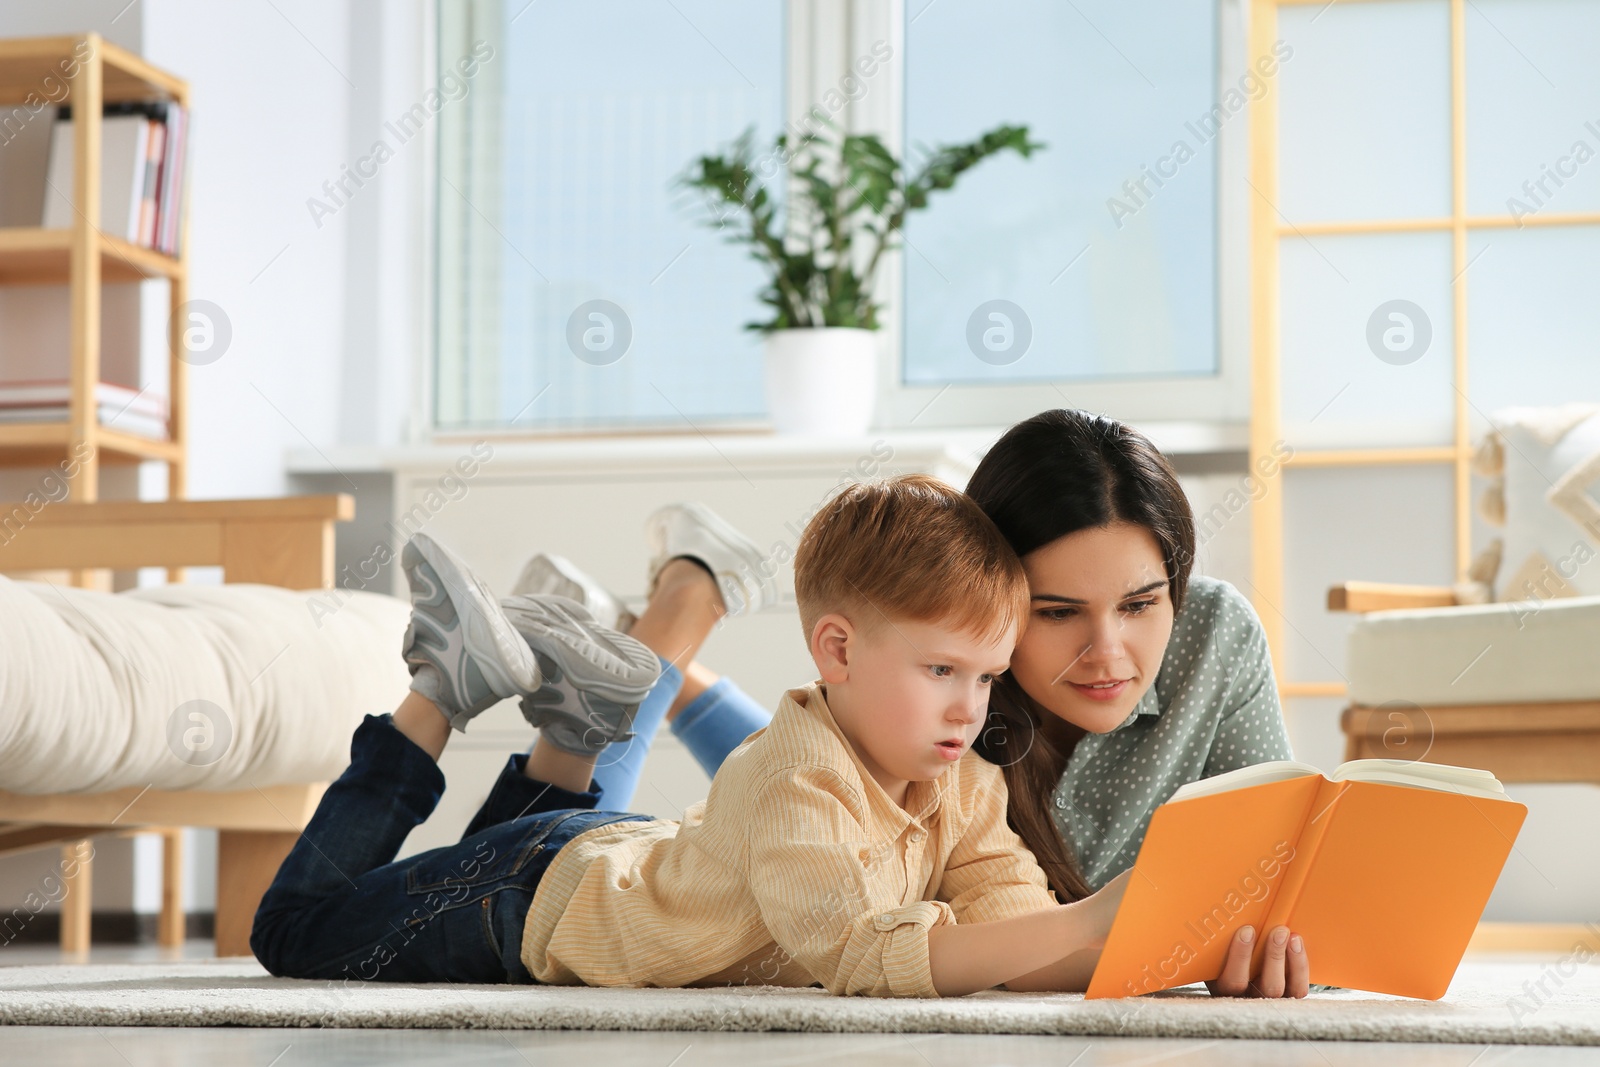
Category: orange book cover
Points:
column 1384, row 881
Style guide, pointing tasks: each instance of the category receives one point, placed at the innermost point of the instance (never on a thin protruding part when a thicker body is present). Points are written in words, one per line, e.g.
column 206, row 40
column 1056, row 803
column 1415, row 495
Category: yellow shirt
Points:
column 796, row 869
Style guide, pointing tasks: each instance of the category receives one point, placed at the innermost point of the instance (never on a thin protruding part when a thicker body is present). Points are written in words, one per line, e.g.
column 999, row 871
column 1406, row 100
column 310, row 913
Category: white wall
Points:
column 270, row 126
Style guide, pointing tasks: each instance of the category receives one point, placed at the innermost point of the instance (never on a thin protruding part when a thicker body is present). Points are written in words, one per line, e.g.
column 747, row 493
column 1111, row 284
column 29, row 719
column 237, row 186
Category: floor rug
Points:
column 1490, row 1001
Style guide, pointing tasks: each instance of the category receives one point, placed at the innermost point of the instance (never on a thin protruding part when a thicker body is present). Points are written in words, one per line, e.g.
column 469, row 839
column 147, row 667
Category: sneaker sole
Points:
column 504, row 658
column 625, row 679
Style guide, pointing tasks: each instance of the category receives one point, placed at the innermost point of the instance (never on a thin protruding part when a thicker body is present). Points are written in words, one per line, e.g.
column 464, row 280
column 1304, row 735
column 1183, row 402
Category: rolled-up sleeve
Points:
column 991, row 874
column 823, row 889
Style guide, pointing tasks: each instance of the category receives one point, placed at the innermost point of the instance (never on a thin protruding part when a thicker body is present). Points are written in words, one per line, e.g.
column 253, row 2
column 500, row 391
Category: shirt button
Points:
column 1060, row 803
column 886, row 921
column 918, row 836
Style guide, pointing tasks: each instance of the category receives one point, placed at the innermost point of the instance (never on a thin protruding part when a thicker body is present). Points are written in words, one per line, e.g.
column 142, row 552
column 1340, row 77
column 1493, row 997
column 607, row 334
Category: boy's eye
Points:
column 986, row 679
column 941, row 670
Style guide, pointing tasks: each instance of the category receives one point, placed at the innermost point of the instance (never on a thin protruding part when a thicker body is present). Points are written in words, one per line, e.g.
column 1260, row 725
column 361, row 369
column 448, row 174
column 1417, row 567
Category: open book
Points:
column 1383, row 867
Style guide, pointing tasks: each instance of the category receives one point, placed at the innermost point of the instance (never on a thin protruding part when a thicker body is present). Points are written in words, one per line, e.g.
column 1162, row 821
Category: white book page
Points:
column 1468, row 781
column 1244, row 777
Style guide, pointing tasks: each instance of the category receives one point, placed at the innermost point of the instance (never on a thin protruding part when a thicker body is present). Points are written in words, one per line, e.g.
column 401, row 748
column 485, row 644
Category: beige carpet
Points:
column 1493, row 1002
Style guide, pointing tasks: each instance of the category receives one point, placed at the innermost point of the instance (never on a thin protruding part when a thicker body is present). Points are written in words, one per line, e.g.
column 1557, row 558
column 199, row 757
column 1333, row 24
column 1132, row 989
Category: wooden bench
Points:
column 284, row 542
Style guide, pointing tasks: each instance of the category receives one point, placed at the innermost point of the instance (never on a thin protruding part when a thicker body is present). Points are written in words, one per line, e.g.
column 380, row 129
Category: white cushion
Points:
column 99, row 691
column 1552, row 471
column 1525, row 651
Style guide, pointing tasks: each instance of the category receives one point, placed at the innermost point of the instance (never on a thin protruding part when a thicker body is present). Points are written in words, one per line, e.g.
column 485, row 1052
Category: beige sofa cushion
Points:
column 189, row 686
column 1523, row 651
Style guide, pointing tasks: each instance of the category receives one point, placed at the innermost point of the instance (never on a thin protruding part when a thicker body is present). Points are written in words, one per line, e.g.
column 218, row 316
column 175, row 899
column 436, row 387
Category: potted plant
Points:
column 847, row 198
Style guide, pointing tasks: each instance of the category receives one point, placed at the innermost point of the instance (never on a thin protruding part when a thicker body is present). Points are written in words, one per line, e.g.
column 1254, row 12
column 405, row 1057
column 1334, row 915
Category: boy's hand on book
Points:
column 1285, row 969
column 1101, row 907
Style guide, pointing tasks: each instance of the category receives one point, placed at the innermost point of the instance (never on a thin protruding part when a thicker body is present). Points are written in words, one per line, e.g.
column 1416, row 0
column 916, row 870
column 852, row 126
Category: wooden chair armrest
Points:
column 286, row 541
column 1361, row 597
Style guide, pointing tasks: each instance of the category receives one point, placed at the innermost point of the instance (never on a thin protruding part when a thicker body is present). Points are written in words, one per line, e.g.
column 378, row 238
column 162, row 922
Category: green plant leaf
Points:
column 842, row 189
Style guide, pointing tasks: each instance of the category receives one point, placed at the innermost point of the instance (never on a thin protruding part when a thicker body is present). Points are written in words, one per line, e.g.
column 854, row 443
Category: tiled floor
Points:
column 178, row 1047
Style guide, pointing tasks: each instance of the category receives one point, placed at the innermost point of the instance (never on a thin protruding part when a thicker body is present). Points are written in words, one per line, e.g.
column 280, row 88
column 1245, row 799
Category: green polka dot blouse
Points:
column 1213, row 708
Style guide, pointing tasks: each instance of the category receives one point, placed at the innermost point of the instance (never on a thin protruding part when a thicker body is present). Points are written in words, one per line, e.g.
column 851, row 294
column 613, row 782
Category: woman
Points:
column 1131, row 679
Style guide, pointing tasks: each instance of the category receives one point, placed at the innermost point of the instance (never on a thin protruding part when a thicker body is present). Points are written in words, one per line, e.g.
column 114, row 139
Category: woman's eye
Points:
column 1055, row 614
column 1138, row 607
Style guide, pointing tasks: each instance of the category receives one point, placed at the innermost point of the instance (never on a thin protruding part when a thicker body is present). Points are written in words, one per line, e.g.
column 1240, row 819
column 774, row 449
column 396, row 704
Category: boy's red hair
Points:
column 912, row 548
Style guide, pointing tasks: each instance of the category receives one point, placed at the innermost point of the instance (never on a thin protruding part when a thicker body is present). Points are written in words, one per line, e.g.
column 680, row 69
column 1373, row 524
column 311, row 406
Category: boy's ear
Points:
column 832, row 641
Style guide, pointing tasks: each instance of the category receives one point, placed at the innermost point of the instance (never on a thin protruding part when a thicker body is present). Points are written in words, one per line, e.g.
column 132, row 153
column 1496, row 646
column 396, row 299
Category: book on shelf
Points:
column 142, row 173
column 174, row 182
column 142, row 412
column 57, row 392
column 1383, row 867
column 110, row 416
column 152, row 180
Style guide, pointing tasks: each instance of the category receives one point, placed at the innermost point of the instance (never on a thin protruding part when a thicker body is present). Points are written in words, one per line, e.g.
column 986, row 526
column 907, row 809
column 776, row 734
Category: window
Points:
column 1103, row 244
column 575, row 285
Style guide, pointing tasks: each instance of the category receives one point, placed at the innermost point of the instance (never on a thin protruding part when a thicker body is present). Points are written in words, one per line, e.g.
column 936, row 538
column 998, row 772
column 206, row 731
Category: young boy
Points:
column 855, row 842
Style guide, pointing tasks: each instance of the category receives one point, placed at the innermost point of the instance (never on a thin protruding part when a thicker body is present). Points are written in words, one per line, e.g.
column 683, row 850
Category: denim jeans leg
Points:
column 514, row 796
column 342, row 908
column 390, row 787
column 471, row 912
column 452, row 914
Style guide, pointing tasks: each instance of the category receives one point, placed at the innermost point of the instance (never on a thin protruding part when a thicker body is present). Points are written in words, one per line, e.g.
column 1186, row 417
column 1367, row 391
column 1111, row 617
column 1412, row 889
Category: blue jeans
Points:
column 342, row 907
column 712, row 726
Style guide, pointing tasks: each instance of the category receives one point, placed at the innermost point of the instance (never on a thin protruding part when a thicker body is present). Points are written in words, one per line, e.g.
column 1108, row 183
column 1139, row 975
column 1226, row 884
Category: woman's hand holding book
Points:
column 1285, row 968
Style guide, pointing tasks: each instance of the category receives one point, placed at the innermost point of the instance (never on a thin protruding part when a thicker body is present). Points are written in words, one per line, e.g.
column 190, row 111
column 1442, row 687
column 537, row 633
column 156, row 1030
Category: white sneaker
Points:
column 464, row 654
column 545, row 573
column 696, row 531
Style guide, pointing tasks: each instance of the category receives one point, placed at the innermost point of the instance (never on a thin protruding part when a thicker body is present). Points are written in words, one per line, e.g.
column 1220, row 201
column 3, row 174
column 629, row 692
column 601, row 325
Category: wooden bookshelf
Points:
column 26, row 63
column 42, row 444
column 31, row 256
column 84, row 259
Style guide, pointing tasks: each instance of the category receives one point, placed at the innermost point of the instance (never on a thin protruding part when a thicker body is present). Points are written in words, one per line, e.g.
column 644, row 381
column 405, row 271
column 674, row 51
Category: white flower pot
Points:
column 822, row 382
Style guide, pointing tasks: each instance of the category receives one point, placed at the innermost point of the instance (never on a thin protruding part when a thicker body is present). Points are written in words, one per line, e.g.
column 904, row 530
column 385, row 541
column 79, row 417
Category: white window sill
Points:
column 761, row 451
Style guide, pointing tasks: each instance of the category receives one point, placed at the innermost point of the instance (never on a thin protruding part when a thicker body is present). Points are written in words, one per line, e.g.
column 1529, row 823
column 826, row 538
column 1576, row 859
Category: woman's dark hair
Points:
column 1049, row 476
